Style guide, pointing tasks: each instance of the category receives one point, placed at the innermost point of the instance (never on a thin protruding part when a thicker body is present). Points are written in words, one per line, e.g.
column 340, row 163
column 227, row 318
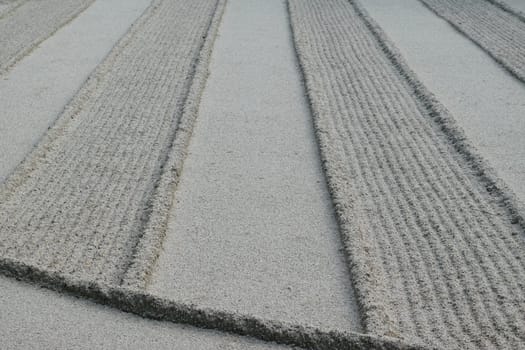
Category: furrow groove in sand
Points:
column 434, row 256
column 493, row 25
column 484, row 98
column 52, row 73
column 252, row 229
column 152, row 307
column 81, row 200
column 25, row 24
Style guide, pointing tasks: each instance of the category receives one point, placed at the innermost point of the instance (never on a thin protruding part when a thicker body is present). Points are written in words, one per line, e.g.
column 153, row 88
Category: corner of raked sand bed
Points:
column 150, row 306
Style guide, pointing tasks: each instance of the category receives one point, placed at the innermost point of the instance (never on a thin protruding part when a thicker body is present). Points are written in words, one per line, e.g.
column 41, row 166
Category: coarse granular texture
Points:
column 510, row 6
column 149, row 245
column 26, row 23
column 491, row 24
column 8, row 6
column 153, row 307
column 435, row 242
column 81, row 202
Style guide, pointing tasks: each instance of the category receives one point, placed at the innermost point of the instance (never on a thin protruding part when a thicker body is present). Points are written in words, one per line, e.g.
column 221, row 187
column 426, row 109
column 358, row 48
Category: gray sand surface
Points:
column 25, row 26
column 496, row 30
column 252, row 229
column 79, row 202
column 7, row 6
column 36, row 90
column 36, row 318
column 516, row 4
column 433, row 245
column 434, row 254
column 487, row 102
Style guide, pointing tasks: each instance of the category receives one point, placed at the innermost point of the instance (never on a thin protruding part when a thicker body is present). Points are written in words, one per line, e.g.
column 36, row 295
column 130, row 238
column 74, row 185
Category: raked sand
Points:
column 493, row 26
column 35, row 91
column 486, row 101
column 434, row 251
column 80, row 201
column 433, row 248
column 252, row 229
column 35, row 318
column 25, row 24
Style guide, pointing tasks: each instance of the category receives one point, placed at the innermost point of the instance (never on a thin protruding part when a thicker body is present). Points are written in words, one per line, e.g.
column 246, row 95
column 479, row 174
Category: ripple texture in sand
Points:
column 493, row 25
column 433, row 256
column 79, row 203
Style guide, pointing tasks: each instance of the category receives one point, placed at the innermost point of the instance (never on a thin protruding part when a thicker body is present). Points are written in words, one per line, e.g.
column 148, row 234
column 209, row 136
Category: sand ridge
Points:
column 79, row 203
column 153, row 307
column 515, row 6
column 25, row 24
column 252, row 217
column 493, row 25
column 433, row 256
column 486, row 101
column 37, row 318
column 434, row 240
column 34, row 91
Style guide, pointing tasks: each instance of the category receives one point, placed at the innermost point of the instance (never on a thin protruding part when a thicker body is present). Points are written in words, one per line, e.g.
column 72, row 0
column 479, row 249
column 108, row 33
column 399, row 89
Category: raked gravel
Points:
column 252, row 229
column 25, row 24
column 34, row 92
column 80, row 202
column 484, row 98
column 515, row 5
column 491, row 24
column 37, row 318
column 433, row 254
column 435, row 249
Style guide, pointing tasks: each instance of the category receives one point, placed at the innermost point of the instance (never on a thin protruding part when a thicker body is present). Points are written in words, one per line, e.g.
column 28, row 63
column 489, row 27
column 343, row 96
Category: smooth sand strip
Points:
column 79, row 202
column 487, row 102
column 433, row 255
column 36, row 90
column 36, row 318
column 252, row 229
column 152, row 307
column 31, row 23
column 500, row 33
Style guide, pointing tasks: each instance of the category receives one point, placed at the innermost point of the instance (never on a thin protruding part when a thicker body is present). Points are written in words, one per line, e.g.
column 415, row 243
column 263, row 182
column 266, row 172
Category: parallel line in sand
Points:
column 149, row 246
column 427, row 225
column 28, row 23
column 82, row 201
column 149, row 306
column 510, row 8
column 252, row 217
column 485, row 99
column 493, row 25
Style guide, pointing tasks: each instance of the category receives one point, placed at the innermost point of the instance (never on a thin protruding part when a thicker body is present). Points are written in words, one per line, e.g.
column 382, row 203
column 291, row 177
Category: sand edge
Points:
column 152, row 307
